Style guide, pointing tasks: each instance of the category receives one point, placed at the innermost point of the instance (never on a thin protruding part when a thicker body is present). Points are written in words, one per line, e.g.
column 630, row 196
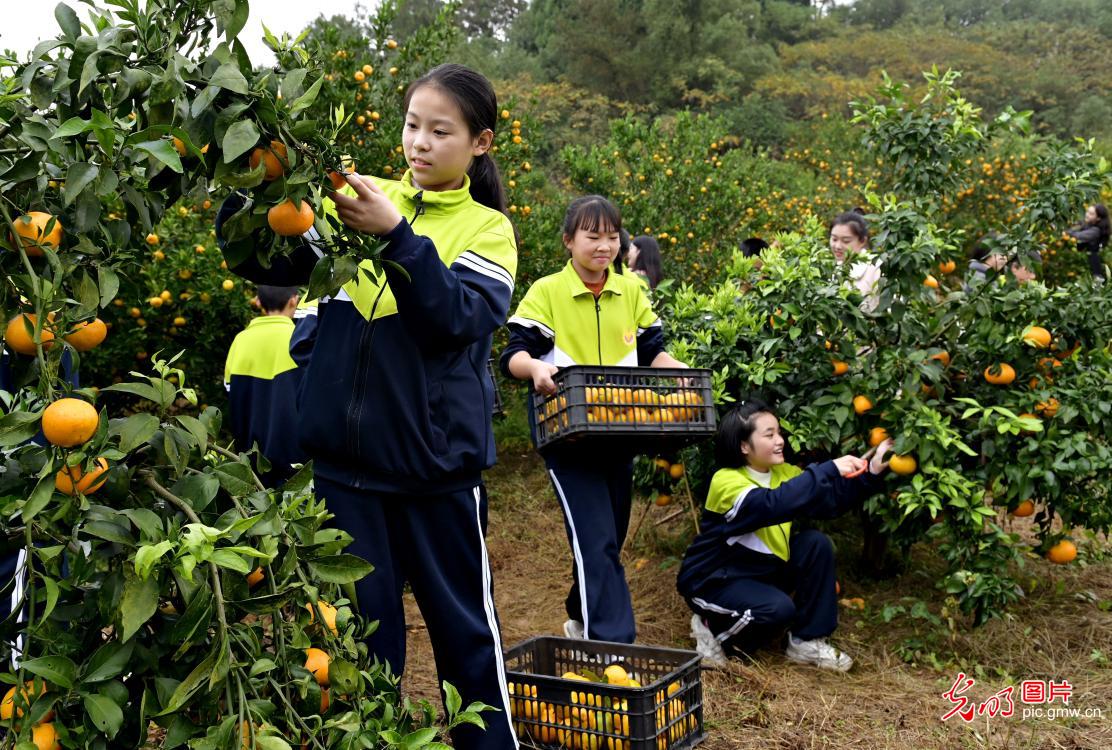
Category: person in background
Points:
column 1092, row 237
column 849, row 242
column 262, row 380
column 645, row 260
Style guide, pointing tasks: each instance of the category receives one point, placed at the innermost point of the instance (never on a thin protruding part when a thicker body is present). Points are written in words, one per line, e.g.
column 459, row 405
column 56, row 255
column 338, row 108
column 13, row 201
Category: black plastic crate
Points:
column 661, row 407
column 548, row 710
column 498, row 409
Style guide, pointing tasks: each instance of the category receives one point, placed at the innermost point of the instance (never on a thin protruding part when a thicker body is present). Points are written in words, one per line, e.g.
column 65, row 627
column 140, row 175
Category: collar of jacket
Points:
column 578, row 288
column 441, row 200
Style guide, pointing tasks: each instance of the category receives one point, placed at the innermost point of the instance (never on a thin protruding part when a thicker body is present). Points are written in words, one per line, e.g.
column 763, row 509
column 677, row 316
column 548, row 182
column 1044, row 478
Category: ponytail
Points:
column 486, row 183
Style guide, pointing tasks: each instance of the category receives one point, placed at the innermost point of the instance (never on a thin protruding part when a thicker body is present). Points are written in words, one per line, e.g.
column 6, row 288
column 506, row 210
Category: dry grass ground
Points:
column 1061, row 631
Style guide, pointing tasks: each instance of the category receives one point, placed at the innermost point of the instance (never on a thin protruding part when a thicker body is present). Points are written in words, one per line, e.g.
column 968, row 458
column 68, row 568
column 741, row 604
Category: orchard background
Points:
column 132, row 127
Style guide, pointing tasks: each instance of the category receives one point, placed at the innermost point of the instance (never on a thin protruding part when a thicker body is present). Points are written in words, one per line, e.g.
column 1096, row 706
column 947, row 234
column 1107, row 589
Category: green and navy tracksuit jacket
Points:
column 560, row 321
column 396, row 396
column 747, row 520
column 262, row 381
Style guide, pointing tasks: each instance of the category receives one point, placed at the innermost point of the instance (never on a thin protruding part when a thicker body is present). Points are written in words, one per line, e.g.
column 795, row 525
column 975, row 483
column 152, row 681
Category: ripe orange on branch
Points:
column 1003, row 374
column 877, row 435
column 902, row 465
column 86, row 335
column 1036, row 336
column 862, row 404
column 69, row 422
column 19, row 340
column 317, row 661
column 31, row 227
column 1024, row 509
column 289, row 220
column 72, row 480
column 1063, row 552
column 273, row 157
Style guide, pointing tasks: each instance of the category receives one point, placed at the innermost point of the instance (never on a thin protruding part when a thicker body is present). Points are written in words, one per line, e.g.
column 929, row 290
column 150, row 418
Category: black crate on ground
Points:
column 651, row 407
column 498, row 409
column 548, row 710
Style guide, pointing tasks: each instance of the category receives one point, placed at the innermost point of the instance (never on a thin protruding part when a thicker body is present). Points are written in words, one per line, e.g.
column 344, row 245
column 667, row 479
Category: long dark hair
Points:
column 1102, row 223
column 649, row 261
column 737, row 428
column 478, row 104
column 592, row 213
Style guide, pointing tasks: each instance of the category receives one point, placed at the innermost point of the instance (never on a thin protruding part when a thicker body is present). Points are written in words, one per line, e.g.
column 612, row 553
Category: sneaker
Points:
column 574, row 629
column 818, row 653
column 706, row 645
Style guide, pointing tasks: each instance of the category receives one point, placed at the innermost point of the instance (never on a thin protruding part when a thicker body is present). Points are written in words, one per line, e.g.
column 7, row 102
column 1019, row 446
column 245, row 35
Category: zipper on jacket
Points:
column 598, row 329
column 366, row 338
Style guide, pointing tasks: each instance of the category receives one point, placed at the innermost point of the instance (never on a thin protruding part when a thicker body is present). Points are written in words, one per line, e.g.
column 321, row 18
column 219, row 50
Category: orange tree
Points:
column 994, row 392
column 167, row 594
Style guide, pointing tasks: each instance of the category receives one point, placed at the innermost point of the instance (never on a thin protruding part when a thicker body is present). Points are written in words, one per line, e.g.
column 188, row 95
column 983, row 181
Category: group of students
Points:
column 393, row 407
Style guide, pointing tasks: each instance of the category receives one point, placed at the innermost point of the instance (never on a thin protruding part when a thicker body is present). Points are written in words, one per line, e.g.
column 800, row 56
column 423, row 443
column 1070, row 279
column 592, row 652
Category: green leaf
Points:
column 228, row 77
column 108, row 661
column 52, row 592
column 71, row 127
column 419, row 738
column 58, row 670
column 137, row 604
column 197, row 489
column 104, row 713
column 150, row 554
column 143, row 390
column 147, row 521
column 163, row 151
column 343, row 676
column 452, row 700
column 306, row 100
column 40, row 497
column 135, row 430
column 196, row 429
column 239, row 138
column 262, row 666
column 235, row 478
column 67, row 20
column 18, row 427
column 78, row 177
column 230, row 560
column 340, row 569
column 109, row 284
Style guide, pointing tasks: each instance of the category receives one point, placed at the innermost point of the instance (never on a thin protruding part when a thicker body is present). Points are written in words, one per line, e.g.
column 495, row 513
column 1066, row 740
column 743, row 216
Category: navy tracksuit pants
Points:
column 436, row 543
column 595, row 493
column 747, row 610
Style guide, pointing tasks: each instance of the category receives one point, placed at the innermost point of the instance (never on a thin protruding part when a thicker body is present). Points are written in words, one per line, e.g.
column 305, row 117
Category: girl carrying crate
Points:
column 589, row 313
column 746, row 576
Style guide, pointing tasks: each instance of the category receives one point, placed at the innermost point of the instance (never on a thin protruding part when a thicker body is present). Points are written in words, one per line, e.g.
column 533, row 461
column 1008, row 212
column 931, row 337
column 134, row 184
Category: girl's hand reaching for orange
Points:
column 850, row 466
column 370, row 211
column 877, row 465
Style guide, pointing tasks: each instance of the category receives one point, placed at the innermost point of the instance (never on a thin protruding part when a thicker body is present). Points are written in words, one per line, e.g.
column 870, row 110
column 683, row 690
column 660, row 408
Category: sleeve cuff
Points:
column 400, row 242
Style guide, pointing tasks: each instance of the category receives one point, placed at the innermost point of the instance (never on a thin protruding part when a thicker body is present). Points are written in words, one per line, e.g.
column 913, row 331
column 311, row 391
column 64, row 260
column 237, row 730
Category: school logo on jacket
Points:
column 629, row 337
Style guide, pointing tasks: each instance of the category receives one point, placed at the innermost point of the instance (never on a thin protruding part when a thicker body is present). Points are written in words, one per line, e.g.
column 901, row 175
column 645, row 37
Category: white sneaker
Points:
column 706, row 645
column 574, row 629
column 818, row 653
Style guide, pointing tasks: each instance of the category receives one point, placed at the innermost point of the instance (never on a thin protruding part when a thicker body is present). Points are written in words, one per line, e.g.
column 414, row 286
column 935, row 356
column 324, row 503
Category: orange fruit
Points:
column 288, row 220
column 274, row 159
column 69, row 422
column 325, row 700
column 71, row 480
column 339, row 182
column 840, row 367
column 862, row 404
column 45, row 737
column 1036, row 336
column 255, row 577
column 877, row 435
column 316, row 661
column 152, row 239
column 947, row 266
column 662, row 500
column 902, row 465
column 87, row 335
column 1004, row 376
column 8, row 706
column 662, row 464
column 19, row 340
column 328, row 612
column 930, row 281
column 1024, row 509
column 32, row 228
column 1063, row 552
column 359, row 76
column 179, row 146
column 943, row 357
column 675, row 471
column 1047, row 408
